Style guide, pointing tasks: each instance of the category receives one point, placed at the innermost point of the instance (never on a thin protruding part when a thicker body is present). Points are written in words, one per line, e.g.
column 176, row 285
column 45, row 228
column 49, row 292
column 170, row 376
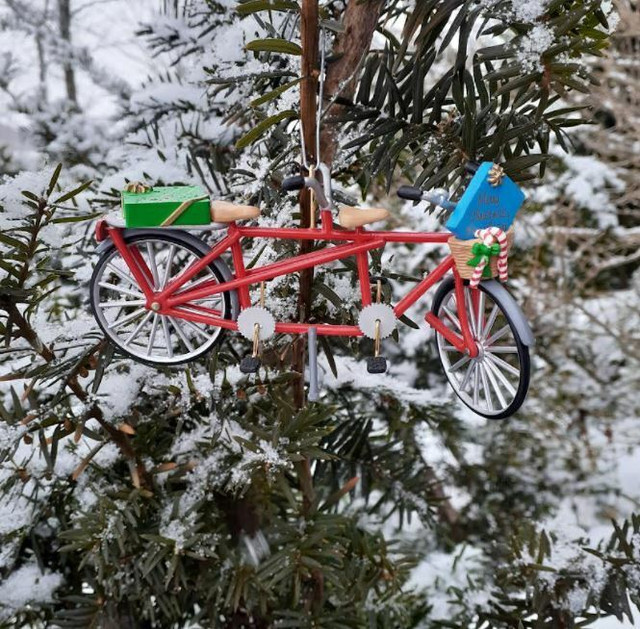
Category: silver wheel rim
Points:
column 120, row 305
column 489, row 383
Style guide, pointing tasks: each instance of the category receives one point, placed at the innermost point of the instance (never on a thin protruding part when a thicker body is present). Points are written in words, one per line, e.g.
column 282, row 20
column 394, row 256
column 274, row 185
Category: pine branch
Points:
column 17, row 320
column 28, row 333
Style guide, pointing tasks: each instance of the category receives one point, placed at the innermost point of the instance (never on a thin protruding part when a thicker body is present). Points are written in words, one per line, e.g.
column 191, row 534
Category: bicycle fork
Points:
column 466, row 344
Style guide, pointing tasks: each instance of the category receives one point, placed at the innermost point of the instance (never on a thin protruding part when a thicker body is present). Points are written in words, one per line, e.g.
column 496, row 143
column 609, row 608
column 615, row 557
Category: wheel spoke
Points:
column 167, row 336
column 492, row 368
column 122, row 304
column 490, row 321
column 120, row 289
column 179, row 329
column 494, row 384
column 498, row 362
column 463, row 361
column 214, row 299
column 485, row 387
column 192, row 308
column 153, row 266
column 502, row 349
column 137, row 329
column 476, row 385
column 197, row 330
column 126, row 319
column 195, row 283
column 451, row 316
column 498, row 335
column 152, row 336
column 470, row 313
column 167, row 268
column 121, row 274
column 481, row 301
column 467, row 376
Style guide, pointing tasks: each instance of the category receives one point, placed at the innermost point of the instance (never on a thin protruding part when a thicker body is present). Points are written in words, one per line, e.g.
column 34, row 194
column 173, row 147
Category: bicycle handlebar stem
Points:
column 326, row 183
column 438, row 196
column 299, row 182
column 316, row 186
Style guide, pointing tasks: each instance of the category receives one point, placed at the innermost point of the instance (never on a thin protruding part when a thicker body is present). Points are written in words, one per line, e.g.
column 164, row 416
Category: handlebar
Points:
column 435, row 197
column 298, row 182
column 293, row 183
column 410, row 193
column 472, row 167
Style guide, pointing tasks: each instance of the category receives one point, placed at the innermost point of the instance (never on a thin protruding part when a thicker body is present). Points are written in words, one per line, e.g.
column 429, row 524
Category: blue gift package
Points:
column 485, row 204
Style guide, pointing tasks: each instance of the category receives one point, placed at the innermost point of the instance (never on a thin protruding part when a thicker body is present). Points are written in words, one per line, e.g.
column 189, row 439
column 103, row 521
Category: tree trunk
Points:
column 308, row 102
column 64, row 18
column 360, row 21
column 42, row 70
column 309, row 35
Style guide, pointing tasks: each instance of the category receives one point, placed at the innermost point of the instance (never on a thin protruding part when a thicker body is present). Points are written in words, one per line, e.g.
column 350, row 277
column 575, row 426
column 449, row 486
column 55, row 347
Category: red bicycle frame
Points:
column 174, row 299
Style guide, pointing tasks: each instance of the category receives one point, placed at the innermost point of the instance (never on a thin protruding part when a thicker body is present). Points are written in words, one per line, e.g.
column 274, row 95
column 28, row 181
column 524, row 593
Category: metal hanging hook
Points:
column 321, row 80
column 320, row 100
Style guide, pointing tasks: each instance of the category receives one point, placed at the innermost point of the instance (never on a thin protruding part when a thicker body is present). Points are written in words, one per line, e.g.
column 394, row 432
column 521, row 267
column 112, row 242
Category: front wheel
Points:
column 495, row 383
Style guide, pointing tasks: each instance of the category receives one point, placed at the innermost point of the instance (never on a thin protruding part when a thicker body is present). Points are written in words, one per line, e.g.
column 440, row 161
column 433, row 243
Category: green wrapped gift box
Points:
column 160, row 205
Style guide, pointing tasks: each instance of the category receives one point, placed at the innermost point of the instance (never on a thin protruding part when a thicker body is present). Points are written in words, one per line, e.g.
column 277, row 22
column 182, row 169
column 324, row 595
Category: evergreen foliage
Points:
column 132, row 497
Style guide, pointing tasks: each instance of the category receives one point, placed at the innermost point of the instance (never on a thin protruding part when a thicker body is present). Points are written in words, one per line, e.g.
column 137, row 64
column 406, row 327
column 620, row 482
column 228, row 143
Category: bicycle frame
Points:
column 174, row 298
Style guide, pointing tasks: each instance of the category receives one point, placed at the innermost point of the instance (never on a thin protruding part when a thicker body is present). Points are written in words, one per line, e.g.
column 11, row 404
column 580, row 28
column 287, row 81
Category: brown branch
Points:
column 64, row 15
column 309, row 33
column 121, row 440
column 360, row 21
column 15, row 317
column 446, row 511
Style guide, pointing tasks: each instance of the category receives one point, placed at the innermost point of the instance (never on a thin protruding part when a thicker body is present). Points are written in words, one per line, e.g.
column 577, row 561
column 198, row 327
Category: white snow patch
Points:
column 532, row 47
column 440, row 572
column 11, row 198
column 529, row 10
column 27, row 585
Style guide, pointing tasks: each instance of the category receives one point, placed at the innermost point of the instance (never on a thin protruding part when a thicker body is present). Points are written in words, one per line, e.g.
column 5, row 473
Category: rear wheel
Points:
column 495, row 383
column 119, row 304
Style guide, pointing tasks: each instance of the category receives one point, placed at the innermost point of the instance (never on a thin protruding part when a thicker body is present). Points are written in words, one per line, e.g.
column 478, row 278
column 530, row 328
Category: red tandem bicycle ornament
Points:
column 163, row 296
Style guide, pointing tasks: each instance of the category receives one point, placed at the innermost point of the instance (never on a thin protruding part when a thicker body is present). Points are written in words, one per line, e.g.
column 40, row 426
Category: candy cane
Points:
column 476, row 276
column 488, row 237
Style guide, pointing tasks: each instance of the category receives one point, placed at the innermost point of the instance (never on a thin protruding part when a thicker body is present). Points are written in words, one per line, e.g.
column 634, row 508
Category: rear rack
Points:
column 115, row 219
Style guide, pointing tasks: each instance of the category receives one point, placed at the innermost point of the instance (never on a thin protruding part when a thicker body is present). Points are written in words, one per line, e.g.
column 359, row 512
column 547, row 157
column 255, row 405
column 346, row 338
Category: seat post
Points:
column 327, row 220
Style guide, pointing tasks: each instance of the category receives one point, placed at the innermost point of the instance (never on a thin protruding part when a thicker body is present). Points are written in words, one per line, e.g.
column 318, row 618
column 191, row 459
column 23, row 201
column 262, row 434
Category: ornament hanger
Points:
column 321, row 79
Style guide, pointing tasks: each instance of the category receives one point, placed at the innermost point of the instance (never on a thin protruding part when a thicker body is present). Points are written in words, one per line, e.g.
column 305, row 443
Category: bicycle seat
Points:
column 225, row 212
column 351, row 217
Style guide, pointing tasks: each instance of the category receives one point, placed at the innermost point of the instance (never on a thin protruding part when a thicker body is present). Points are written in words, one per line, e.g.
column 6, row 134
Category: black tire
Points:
column 185, row 242
column 520, row 353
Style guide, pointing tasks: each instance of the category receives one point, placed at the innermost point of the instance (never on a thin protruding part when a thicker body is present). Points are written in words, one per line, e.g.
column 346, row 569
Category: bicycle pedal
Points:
column 376, row 364
column 250, row 364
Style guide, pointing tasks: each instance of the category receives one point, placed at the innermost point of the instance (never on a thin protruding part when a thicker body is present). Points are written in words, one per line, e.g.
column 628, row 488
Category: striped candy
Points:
column 488, row 237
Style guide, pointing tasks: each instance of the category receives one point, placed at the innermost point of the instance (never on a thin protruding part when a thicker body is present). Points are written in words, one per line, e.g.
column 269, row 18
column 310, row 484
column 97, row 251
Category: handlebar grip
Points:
column 472, row 167
column 410, row 193
column 293, row 183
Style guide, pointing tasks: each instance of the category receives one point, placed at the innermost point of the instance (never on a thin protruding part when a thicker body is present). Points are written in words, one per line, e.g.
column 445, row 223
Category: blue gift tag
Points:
column 485, row 205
